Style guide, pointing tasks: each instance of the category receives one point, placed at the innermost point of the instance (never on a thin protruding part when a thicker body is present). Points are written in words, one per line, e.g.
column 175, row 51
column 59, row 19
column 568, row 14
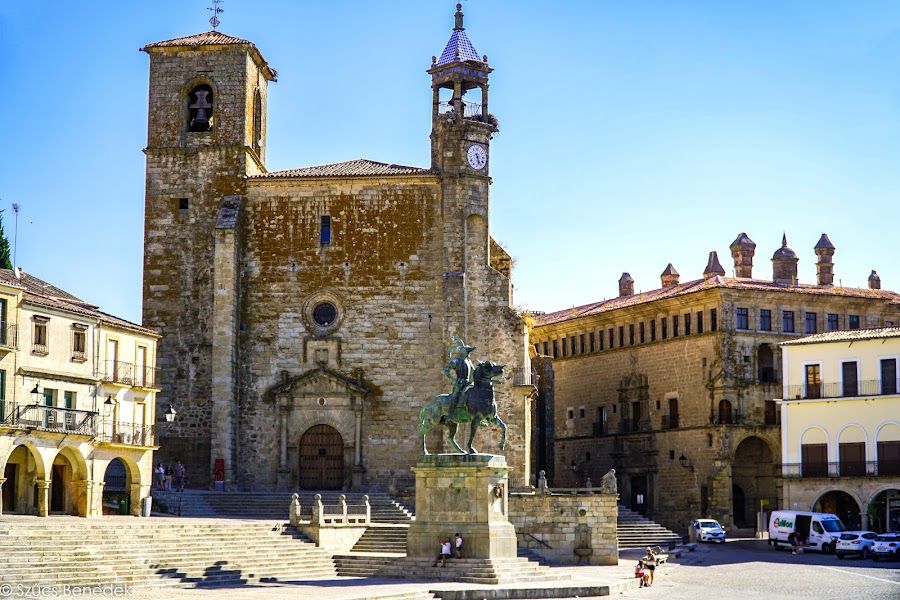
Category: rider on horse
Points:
column 462, row 369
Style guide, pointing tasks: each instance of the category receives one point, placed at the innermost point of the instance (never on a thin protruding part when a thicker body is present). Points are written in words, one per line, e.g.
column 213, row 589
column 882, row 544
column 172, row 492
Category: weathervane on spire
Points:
column 216, row 11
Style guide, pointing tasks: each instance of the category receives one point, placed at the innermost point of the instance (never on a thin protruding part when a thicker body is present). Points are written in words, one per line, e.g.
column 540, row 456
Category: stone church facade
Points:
column 306, row 314
column 675, row 387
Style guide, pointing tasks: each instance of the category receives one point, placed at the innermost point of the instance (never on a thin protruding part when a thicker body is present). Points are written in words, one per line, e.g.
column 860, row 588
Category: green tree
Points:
column 5, row 260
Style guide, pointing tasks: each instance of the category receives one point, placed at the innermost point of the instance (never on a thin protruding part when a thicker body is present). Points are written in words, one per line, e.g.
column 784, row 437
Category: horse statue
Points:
column 476, row 406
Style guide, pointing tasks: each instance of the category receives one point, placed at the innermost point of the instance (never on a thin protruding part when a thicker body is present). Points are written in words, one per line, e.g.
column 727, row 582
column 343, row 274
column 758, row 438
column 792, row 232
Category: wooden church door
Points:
column 321, row 459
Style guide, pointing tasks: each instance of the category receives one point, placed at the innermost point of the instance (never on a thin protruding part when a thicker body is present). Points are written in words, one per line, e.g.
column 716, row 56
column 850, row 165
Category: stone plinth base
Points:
column 466, row 494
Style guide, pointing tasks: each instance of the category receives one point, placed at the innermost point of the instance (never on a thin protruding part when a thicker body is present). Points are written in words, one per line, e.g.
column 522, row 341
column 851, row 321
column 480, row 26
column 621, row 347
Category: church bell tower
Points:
column 462, row 129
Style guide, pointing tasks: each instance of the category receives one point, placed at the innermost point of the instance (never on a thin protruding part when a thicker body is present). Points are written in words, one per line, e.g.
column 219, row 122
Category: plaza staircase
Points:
column 271, row 505
column 461, row 570
column 383, row 537
column 155, row 552
column 636, row 531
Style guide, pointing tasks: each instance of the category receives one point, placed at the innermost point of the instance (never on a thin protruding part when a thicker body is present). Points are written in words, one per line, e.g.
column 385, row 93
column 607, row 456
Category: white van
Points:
column 819, row 531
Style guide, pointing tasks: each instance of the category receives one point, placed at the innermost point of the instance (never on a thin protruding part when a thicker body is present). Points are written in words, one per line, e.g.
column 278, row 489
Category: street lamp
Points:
column 171, row 413
column 36, row 393
column 684, row 463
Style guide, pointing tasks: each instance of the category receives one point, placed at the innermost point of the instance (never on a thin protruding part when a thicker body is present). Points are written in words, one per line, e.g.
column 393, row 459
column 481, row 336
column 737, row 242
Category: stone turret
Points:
column 874, row 281
column 742, row 251
column 713, row 266
column 825, row 267
column 626, row 285
column 784, row 264
column 669, row 277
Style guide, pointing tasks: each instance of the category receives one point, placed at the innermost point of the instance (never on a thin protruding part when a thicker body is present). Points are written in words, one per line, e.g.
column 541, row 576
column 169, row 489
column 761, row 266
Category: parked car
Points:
column 707, row 530
column 887, row 545
column 855, row 543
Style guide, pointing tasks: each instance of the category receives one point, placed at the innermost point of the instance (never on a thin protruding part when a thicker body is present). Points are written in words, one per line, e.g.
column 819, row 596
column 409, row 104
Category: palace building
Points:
column 306, row 314
column 675, row 388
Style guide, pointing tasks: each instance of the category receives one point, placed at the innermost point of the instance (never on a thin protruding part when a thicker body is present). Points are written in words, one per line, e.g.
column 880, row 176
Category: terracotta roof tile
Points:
column 848, row 335
column 208, row 38
column 351, row 168
column 214, row 38
column 37, row 291
column 698, row 285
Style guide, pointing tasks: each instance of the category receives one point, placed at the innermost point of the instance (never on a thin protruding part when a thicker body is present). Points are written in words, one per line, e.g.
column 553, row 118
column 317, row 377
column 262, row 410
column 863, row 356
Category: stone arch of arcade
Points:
column 753, row 478
column 69, row 483
column 24, row 481
column 121, row 478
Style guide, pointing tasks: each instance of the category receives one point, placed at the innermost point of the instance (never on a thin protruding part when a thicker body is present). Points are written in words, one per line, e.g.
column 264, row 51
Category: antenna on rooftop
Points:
column 15, row 208
column 216, row 11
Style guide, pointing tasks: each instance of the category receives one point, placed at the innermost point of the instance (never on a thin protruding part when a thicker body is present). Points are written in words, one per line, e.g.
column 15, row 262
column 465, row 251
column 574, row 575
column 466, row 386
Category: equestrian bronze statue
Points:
column 471, row 399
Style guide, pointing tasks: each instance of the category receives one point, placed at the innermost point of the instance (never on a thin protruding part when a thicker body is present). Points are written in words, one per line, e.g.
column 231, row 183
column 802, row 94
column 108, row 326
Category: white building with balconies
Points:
column 77, row 403
column 840, row 426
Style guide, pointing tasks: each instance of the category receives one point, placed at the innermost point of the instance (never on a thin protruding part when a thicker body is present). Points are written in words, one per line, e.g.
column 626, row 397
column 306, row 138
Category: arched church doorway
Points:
column 841, row 504
column 321, row 459
column 752, row 473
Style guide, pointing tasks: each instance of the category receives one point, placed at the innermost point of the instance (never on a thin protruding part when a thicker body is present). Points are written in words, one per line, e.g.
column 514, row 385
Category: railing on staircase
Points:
column 167, row 502
column 340, row 513
column 529, row 538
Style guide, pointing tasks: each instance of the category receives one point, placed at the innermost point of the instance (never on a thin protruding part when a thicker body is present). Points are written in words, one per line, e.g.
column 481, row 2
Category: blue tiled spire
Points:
column 459, row 47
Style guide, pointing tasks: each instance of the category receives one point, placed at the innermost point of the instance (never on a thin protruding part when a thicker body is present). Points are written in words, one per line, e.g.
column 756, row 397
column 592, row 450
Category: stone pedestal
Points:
column 466, row 494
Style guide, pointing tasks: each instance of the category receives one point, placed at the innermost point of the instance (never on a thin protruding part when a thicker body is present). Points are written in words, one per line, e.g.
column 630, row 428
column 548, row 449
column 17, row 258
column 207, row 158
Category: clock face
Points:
column 477, row 156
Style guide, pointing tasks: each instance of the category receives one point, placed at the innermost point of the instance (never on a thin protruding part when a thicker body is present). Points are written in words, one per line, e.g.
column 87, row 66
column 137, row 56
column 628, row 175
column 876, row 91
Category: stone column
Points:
column 224, row 336
column 2, row 481
column 357, row 458
column 283, row 476
column 43, row 497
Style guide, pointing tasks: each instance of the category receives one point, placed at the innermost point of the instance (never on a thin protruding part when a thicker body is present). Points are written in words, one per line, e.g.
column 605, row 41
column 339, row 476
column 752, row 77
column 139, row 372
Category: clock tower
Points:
column 462, row 128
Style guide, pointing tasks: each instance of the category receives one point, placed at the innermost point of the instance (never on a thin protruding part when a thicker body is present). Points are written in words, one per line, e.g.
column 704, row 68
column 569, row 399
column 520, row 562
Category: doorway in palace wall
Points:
column 321, row 459
column 639, row 499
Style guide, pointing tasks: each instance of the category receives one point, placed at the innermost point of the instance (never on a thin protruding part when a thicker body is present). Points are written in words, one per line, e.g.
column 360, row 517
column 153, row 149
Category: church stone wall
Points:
column 384, row 270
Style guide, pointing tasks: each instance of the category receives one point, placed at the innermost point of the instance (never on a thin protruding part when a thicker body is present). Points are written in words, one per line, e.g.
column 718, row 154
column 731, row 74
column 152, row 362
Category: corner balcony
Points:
column 9, row 336
column 118, row 372
column 127, row 434
column 37, row 417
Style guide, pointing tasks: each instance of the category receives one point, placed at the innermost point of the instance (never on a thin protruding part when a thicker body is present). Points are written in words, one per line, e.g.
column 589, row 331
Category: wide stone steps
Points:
column 272, row 505
column 636, row 531
column 153, row 552
column 383, row 539
column 466, row 570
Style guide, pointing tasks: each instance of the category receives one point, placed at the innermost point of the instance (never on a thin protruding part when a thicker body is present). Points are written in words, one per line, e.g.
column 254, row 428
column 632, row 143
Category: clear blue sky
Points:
column 632, row 133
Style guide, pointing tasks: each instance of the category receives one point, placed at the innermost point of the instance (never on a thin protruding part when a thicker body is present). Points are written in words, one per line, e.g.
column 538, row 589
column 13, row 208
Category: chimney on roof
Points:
column 669, row 277
column 825, row 267
column 874, row 281
column 626, row 285
column 784, row 264
column 713, row 266
column 742, row 251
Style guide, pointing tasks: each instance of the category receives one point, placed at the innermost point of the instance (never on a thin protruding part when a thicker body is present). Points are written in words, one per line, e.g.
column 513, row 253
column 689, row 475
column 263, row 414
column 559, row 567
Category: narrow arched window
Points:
column 725, row 415
column 200, row 108
column 257, row 121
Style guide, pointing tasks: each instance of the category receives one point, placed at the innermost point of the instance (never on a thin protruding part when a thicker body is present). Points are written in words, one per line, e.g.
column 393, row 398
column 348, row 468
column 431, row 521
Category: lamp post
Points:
column 574, row 467
column 37, row 393
column 171, row 413
column 684, row 463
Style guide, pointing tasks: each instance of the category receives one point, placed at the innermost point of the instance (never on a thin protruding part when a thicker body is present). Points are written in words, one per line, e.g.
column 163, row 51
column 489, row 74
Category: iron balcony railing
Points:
column 146, row 377
column 847, row 389
column 870, row 468
column 470, row 109
column 522, row 377
column 9, row 336
column 115, row 371
column 41, row 349
column 52, row 418
column 600, row 428
column 129, row 434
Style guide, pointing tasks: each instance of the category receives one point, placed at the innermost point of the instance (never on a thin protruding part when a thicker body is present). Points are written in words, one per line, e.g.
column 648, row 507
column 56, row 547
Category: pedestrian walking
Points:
column 179, row 472
column 650, row 563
